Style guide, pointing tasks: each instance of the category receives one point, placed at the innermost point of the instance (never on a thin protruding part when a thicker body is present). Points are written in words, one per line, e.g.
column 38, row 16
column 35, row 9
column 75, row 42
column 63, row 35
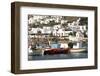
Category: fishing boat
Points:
column 56, row 51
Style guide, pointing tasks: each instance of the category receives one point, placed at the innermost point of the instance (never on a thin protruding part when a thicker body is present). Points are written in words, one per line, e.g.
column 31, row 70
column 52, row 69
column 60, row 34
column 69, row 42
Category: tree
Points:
column 84, row 21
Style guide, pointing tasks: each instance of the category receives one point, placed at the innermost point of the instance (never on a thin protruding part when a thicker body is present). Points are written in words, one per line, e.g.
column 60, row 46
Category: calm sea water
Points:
column 59, row 56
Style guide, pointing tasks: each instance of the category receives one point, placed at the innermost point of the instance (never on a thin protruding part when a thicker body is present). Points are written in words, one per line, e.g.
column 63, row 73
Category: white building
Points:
column 54, row 32
column 67, row 31
column 79, row 36
column 47, row 30
column 35, row 30
column 82, row 28
column 60, row 32
column 30, row 21
column 55, row 27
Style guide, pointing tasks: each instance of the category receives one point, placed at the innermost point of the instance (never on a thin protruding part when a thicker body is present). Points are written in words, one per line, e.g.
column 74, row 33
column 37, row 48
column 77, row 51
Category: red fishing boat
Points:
column 56, row 51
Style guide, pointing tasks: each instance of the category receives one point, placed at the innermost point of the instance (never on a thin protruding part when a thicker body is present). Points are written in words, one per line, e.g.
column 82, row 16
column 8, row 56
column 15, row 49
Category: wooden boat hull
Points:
column 57, row 51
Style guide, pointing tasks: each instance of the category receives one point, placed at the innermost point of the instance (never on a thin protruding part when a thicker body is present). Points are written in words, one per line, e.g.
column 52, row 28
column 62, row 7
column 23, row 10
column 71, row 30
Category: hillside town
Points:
column 47, row 32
